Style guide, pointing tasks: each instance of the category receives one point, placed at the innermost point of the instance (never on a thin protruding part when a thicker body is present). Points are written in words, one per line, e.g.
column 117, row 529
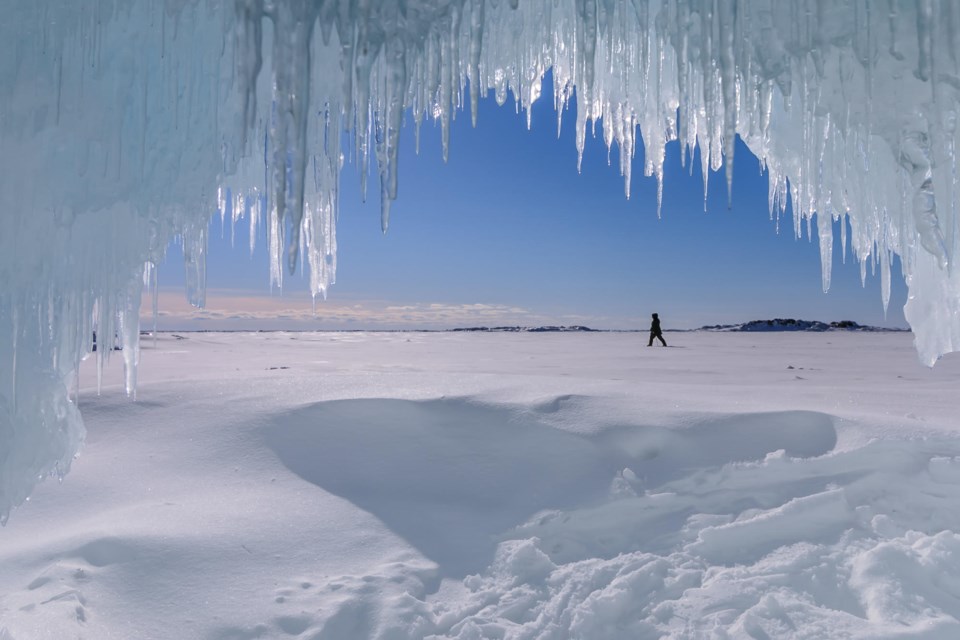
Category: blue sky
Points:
column 507, row 232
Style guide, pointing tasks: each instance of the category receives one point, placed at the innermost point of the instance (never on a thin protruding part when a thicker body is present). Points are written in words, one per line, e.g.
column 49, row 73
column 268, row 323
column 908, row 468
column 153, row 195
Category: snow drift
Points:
column 517, row 486
column 124, row 125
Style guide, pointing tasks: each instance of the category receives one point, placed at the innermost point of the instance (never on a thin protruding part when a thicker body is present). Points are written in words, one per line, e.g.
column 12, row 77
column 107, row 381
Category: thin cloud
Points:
column 233, row 310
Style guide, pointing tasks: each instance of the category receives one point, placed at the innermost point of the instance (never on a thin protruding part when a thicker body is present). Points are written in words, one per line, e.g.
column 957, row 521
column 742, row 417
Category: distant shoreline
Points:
column 777, row 325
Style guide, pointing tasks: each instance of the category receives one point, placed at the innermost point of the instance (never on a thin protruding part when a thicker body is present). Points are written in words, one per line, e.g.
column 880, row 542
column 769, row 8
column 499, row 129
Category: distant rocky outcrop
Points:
column 791, row 324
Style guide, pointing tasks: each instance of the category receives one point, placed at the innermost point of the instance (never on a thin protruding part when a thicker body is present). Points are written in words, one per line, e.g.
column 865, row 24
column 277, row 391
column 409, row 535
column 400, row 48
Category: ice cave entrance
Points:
column 125, row 124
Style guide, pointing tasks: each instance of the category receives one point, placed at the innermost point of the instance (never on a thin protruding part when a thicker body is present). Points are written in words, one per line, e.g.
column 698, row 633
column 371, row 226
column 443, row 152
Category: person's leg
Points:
column 652, row 336
column 660, row 335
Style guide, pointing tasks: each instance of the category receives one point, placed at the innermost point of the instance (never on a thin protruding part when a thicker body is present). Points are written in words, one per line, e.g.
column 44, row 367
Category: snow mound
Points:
column 738, row 525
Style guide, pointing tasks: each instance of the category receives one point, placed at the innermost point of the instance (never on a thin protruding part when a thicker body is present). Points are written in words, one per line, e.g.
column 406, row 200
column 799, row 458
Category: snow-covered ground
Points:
column 339, row 486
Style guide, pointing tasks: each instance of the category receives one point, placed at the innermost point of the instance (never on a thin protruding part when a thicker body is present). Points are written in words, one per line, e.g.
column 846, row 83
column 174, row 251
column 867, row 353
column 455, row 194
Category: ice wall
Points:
column 125, row 124
column 111, row 142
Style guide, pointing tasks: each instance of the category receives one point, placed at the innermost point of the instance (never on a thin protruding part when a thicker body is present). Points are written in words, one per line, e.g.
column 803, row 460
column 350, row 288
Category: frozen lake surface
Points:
column 339, row 486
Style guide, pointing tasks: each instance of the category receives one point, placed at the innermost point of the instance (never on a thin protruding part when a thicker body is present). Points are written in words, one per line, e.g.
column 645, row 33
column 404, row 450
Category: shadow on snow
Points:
column 452, row 476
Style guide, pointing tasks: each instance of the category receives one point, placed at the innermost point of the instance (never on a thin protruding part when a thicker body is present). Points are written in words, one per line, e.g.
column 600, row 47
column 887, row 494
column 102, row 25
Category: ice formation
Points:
column 126, row 124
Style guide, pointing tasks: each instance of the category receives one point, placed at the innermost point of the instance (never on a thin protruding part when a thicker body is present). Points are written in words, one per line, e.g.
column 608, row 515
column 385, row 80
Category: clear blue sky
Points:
column 509, row 223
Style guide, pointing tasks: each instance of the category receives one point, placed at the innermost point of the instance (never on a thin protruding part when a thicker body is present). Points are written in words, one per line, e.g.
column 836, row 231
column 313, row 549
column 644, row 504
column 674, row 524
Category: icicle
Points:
column 727, row 11
column 101, row 344
column 150, row 284
column 885, row 278
column 825, row 231
column 843, row 237
column 449, row 71
column 293, row 28
column 195, row 265
column 130, row 336
column 476, row 46
column 15, row 342
column 705, row 169
column 389, row 147
column 255, row 213
column 659, row 177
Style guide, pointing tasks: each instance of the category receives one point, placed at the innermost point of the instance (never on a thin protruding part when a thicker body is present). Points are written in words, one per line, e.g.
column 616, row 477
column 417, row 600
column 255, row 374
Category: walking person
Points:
column 655, row 331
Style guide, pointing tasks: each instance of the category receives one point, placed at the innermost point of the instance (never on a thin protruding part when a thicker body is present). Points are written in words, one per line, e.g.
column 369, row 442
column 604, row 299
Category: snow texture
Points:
column 548, row 486
column 124, row 125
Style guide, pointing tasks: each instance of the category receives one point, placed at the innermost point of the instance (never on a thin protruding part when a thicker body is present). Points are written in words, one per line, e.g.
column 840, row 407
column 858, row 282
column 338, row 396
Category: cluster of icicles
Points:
column 125, row 125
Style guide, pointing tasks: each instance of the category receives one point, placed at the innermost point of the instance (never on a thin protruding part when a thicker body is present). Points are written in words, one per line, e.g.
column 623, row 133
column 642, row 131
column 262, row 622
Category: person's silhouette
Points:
column 655, row 331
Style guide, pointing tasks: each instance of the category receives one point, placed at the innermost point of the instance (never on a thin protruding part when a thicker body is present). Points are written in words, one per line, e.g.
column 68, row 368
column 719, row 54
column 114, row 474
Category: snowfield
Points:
column 339, row 486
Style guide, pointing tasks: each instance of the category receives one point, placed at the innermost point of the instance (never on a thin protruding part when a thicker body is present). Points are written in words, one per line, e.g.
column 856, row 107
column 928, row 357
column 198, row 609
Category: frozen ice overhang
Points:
column 125, row 124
